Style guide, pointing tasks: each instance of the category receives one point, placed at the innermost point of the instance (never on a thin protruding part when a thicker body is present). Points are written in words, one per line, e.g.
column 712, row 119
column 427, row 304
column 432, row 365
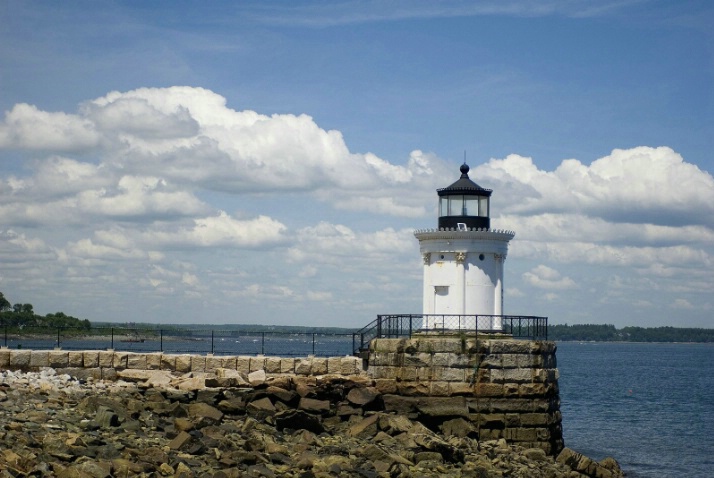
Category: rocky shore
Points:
column 157, row 424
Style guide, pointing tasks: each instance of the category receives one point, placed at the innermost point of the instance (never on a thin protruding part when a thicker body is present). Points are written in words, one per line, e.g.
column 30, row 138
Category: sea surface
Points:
column 649, row 406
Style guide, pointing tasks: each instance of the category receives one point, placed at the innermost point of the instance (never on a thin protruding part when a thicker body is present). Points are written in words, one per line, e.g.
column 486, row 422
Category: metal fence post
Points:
column 161, row 340
column 313, row 343
column 112, row 334
column 58, row 336
column 262, row 344
column 212, row 348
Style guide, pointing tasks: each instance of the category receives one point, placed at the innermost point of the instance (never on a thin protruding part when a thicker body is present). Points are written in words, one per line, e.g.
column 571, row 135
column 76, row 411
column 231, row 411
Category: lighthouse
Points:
column 463, row 260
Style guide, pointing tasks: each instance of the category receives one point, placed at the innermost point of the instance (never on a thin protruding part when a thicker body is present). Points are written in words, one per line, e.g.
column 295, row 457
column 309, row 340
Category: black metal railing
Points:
column 178, row 340
column 404, row 325
column 275, row 343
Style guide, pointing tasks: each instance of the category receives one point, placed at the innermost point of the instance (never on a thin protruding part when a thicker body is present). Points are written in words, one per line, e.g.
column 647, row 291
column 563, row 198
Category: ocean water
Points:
column 650, row 406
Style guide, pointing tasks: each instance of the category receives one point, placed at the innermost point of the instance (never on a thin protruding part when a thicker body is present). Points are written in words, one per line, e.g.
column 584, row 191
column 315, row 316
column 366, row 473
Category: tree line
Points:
column 609, row 333
column 23, row 315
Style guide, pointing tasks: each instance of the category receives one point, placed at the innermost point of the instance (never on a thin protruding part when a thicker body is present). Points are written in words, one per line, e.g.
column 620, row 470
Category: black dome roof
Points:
column 464, row 185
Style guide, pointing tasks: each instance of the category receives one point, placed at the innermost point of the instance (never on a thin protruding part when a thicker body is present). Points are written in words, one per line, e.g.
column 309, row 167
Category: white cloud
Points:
column 544, row 277
column 132, row 193
column 221, row 231
column 682, row 304
column 337, row 244
column 639, row 185
column 26, row 127
column 189, row 136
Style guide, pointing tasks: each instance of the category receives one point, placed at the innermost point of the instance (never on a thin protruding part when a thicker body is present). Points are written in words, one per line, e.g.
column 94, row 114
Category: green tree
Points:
column 4, row 303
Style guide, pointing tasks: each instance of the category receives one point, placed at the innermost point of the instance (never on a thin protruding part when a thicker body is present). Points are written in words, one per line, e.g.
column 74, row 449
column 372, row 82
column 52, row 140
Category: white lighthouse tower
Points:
column 463, row 261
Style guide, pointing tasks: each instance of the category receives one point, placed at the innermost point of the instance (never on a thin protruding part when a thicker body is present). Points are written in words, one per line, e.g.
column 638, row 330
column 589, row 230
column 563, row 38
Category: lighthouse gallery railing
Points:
column 404, row 325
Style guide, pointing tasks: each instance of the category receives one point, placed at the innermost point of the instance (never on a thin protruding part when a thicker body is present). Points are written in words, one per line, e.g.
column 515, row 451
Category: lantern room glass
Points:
column 483, row 206
column 458, row 205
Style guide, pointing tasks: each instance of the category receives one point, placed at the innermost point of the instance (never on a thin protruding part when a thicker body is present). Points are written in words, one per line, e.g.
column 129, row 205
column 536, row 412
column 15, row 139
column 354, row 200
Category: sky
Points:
column 268, row 162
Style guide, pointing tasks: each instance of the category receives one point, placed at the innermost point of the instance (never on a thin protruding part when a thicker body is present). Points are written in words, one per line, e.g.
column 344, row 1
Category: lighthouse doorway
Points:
column 442, row 305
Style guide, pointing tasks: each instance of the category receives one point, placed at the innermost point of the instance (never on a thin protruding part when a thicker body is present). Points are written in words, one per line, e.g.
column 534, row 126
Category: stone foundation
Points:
column 489, row 387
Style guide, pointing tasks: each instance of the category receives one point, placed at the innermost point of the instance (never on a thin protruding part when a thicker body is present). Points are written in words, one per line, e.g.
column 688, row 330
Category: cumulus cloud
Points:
column 220, row 231
column 189, row 136
column 544, row 277
column 639, row 185
column 335, row 243
column 27, row 127
column 155, row 188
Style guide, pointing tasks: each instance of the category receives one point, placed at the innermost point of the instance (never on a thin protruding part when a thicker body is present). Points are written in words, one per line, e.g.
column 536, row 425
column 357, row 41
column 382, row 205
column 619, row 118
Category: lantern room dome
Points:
column 464, row 204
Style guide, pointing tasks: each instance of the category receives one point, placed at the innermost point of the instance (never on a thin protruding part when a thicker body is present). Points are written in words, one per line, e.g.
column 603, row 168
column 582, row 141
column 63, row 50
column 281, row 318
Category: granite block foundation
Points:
column 489, row 387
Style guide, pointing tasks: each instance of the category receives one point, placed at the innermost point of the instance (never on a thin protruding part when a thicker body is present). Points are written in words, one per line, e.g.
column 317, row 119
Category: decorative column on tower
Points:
column 463, row 259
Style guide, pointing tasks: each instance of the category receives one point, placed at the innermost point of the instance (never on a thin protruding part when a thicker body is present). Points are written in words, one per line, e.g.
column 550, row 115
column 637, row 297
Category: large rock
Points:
column 587, row 466
column 362, row 396
column 298, row 420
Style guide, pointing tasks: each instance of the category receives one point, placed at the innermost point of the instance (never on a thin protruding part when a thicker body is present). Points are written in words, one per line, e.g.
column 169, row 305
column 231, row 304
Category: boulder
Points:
column 587, row 466
column 367, row 427
column 314, row 405
column 257, row 378
column 298, row 420
column 362, row 396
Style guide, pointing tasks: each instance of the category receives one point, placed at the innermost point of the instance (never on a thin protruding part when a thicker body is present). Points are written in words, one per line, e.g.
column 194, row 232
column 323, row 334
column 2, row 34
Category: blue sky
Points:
column 267, row 162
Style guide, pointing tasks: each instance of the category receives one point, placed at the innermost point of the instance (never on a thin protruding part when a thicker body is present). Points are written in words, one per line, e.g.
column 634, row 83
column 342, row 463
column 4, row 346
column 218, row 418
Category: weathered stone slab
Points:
column 334, row 365
column 385, row 386
column 58, row 358
column 411, row 389
column 362, row 396
column 39, row 358
column 228, row 362
column 198, row 363
column 213, row 363
column 272, row 365
column 120, row 359
column 183, row 363
column 387, row 345
column 257, row 378
column 90, row 358
column 168, row 362
column 319, row 366
column 351, row 366
column 287, row 365
column 153, row 361
column 443, row 406
column 136, row 361
column 20, row 358
column 243, row 364
column 314, row 405
column 367, row 427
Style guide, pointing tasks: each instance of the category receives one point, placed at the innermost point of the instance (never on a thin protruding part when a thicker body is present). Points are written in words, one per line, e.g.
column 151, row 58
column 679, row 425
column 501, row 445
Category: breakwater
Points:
column 458, row 392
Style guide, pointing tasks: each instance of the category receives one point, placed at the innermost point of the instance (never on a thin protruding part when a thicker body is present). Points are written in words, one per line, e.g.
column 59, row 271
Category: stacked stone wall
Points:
column 103, row 364
column 489, row 388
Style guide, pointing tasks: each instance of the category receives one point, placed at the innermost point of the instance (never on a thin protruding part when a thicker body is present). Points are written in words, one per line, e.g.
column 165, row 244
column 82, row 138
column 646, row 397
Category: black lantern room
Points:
column 464, row 204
